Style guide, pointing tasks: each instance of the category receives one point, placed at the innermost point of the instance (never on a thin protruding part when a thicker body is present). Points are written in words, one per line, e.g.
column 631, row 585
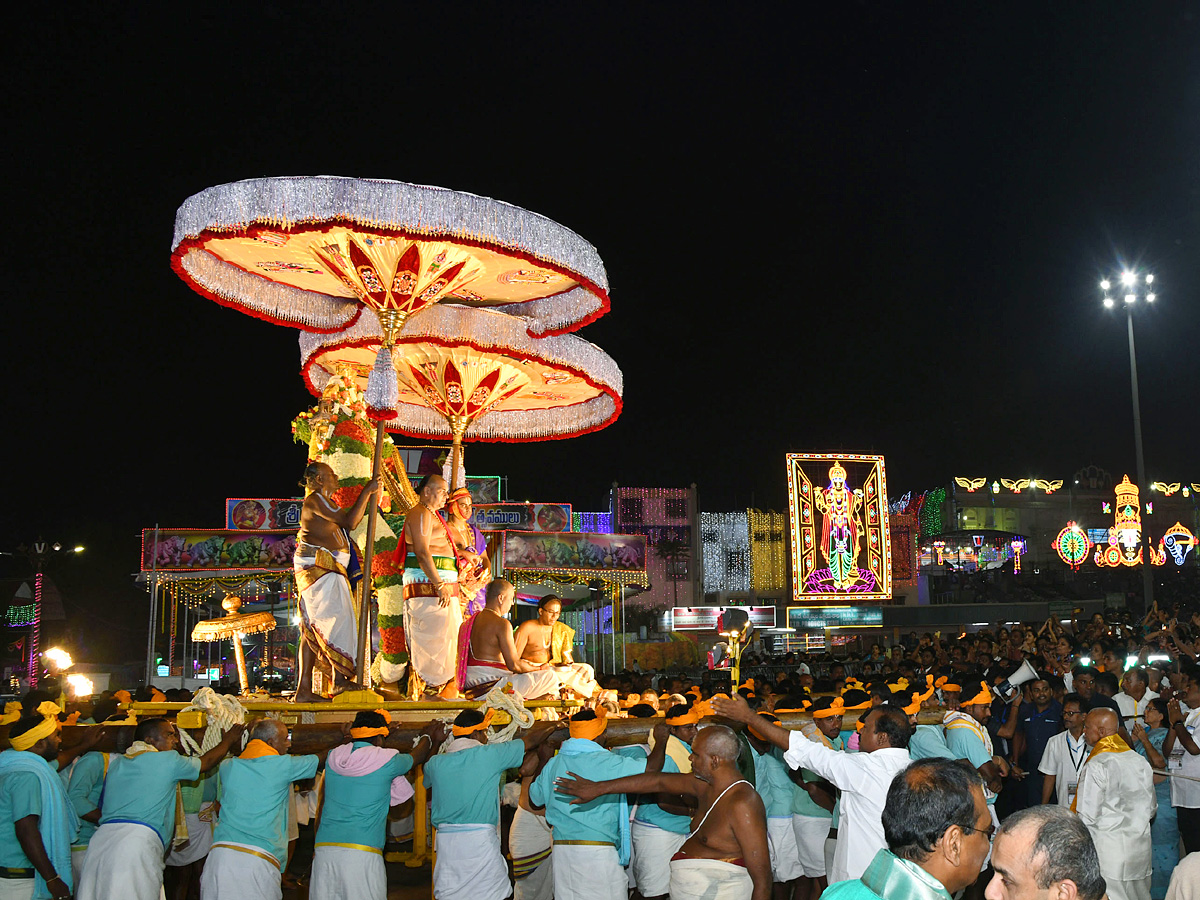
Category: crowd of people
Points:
column 999, row 764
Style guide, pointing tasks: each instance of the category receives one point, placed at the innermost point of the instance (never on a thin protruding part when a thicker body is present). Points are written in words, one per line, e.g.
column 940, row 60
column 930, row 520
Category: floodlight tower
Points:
column 1135, row 286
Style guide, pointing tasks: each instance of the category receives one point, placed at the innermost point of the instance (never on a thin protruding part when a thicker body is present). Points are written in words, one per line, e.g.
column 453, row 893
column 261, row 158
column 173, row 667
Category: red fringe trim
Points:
column 305, row 373
column 208, row 234
column 376, row 415
column 177, row 267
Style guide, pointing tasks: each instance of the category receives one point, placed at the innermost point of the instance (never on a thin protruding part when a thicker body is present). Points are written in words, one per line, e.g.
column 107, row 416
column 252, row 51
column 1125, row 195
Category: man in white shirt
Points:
column 1116, row 801
column 1065, row 755
column 1182, row 750
column 1134, row 697
column 863, row 777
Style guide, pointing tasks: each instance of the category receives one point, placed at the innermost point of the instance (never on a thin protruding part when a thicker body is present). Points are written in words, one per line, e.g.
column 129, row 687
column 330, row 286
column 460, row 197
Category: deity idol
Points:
column 839, row 534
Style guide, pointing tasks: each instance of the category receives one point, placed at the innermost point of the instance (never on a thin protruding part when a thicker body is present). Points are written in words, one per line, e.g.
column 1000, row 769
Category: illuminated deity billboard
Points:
column 841, row 546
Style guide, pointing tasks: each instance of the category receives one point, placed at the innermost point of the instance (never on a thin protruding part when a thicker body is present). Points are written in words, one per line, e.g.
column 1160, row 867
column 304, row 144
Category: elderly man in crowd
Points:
column 862, row 777
column 1116, row 801
column 937, row 826
column 141, row 813
column 726, row 856
column 1134, row 697
column 1044, row 852
column 249, row 848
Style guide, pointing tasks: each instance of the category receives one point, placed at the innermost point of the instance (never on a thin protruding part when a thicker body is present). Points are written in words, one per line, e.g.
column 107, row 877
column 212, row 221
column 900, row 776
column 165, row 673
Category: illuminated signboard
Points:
column 704, row 618
column 522, row 516
column 262, row 513
column 818, row 618
column 841, row 544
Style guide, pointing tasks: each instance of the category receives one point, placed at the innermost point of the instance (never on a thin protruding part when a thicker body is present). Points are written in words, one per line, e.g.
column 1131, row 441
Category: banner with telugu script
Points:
column 522, row 516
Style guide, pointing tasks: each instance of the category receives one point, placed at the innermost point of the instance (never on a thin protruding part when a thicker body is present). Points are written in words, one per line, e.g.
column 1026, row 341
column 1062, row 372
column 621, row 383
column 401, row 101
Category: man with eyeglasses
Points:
column 938, row 831
column 1065, row 755
column 1044, row 852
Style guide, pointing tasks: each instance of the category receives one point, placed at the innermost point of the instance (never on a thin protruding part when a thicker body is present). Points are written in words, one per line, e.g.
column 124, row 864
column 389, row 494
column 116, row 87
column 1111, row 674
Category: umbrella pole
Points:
column 364, row 614
column 458, row 425
column 240, row 655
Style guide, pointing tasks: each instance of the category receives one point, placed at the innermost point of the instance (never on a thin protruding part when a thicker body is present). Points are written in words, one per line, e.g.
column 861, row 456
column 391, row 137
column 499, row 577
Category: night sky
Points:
column 873, row 228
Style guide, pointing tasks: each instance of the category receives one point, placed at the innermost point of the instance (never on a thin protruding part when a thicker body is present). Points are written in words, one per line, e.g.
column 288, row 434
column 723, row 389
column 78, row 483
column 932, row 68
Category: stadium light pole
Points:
column 1132, row 287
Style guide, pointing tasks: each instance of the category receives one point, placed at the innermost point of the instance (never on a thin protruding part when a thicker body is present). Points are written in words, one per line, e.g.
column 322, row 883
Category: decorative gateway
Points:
column 841, row 543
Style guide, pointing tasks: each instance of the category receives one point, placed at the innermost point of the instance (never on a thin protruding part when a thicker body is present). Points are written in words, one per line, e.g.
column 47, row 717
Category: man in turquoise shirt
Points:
column 363, row 780
column 465, row 781
column 657, row 833
column 84, row 789
column 937, row 828
column 591, row 840
column 37, row 821
column 774, row 786
column 814, row 799
column 138, row 813
column 250, row 841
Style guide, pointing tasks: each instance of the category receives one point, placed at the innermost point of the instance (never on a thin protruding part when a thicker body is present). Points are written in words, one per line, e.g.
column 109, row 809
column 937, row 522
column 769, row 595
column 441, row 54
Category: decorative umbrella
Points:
column 478, row 375
column 231, row 627
column 474, row 374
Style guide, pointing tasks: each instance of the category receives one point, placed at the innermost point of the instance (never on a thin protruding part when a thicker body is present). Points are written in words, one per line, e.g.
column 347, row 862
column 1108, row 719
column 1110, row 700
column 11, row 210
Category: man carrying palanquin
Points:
column 546, row 640
column 474, row 566
column 591, row 841
column 363, row 779
column 465, row 781
column 142, row 813
column 726, row 856
column 37, row 821
column 327, row 571
column 249, row 849
column 488, row 653
column 432, row 610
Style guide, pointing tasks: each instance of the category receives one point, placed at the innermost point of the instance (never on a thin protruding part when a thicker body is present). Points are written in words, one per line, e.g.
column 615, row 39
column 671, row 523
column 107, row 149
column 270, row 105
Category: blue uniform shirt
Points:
column 466, row 783
column 87, row 784
column 356, row 806
column 254, row 801
column 596, row 820
column 141, row 789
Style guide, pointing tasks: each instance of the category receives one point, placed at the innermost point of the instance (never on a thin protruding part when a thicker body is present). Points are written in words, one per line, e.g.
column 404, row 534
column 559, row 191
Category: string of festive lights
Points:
column 725, row 548
column 592, row 522
column 931, row 512
column 19, row 616
column 768, row 550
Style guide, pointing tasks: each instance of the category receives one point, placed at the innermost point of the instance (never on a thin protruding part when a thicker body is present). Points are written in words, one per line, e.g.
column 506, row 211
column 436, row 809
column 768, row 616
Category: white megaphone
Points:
column 1013, row 683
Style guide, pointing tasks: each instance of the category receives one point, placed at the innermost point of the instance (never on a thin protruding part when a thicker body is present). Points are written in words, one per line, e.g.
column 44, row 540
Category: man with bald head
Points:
column 432, row 607
column 726, row 856
column 249, row 847
column 1116, row 802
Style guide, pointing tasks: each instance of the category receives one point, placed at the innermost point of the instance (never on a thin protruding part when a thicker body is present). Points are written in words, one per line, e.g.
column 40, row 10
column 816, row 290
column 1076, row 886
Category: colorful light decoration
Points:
column 930, row 511
column 1072, row 545
column 995, row 487
column 1106, row 507
column 592, row 522
column 768, row 559
column 1018, row 547
column 1163, row 488
column 36, row 632
column 970, row 484
column 725, row 545
column 1177, row 543
column 940, row 548
column 1124, row 546
column 835, row 525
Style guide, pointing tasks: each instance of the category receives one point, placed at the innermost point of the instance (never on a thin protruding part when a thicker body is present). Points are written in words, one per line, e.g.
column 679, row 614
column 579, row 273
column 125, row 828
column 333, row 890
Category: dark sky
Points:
column 878, row 227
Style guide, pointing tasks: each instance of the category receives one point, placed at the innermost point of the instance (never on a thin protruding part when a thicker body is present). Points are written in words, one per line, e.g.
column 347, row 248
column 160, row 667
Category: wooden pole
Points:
column 364, row 612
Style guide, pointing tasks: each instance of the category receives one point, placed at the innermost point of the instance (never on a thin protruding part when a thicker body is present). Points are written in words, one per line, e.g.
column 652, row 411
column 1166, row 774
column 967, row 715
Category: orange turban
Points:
column 760, row 734
column 691, row 717
column 589, row 729
column 984, row 696
column 464, row 730
column 837, row 707
column 363, row 732
column 123, row 697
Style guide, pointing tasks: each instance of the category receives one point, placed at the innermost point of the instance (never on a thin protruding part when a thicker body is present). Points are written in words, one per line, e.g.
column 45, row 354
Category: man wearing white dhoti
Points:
column 488, row 654
column 249, row 849
column 142, row 813
column 465, row 781
column 546, row 640
column 1116, row 800
column 530, row 838
column 363, row 780
column 327, row 572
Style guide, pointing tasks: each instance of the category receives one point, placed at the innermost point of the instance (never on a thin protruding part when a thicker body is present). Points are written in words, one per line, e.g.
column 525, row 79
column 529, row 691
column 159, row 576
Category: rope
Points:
column 222, row 712
column 514, row 705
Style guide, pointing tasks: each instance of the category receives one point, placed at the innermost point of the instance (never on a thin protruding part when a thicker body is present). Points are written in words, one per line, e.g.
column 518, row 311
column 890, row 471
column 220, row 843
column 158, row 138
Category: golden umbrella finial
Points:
column 231, row 627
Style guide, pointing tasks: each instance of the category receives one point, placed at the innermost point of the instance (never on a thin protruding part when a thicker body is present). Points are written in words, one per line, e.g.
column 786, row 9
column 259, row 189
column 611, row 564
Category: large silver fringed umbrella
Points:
column 314, row 252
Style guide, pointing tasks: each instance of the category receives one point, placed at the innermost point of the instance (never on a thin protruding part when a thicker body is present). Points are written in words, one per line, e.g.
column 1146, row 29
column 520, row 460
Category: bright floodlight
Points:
column 1105, row 285
column 78, row 549
column 1149, row 279
column 1108, row 302
column 60, row 659
column 1150, row 297
column 1128, row 279
column 1129, row 298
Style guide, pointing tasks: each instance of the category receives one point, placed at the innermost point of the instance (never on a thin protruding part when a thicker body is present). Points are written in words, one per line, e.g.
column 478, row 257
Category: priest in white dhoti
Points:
column 548, row 641
column 488, row 656
column 1116, row 800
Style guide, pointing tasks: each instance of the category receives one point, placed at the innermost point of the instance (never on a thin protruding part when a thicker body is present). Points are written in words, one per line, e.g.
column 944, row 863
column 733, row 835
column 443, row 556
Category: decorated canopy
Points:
column 479, row 373
column 312, row 251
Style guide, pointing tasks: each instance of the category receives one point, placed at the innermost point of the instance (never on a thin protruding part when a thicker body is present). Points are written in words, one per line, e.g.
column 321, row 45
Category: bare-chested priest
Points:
column 327, row 570
column 547, row 640
column 492, row 654
column 432, row 612
column 726, row 856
